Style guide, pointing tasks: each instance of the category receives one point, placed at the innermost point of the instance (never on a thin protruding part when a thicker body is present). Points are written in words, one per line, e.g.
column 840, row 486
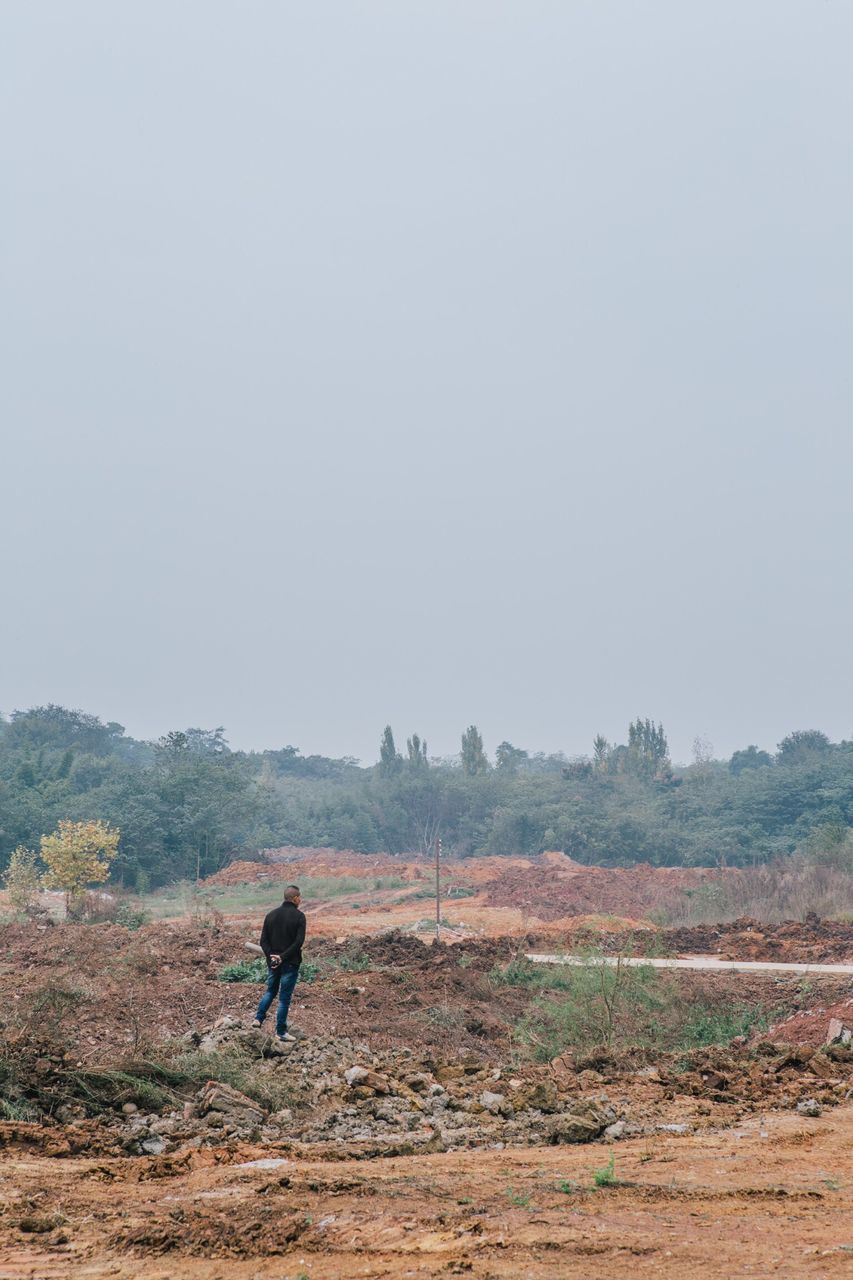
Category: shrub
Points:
column 244, row 971
column 130, row 917
column 256, row 971
column 708, row 1025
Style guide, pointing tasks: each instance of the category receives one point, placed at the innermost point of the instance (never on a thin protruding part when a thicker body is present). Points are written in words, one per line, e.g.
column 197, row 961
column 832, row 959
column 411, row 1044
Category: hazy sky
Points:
column 428, row 362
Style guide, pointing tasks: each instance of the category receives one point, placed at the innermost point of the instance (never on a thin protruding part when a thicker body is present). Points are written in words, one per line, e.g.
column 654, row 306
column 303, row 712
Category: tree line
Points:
column 186, row 803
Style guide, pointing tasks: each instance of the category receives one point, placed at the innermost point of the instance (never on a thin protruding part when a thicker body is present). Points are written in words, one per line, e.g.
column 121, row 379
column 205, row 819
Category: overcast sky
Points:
column 428, row 362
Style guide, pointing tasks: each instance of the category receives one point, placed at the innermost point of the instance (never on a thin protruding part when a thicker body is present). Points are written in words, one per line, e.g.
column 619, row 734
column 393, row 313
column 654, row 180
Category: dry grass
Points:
column 787, row 889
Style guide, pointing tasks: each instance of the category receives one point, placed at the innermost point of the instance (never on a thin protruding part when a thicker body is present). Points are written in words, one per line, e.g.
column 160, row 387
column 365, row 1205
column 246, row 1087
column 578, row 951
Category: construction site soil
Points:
column 416, row 1127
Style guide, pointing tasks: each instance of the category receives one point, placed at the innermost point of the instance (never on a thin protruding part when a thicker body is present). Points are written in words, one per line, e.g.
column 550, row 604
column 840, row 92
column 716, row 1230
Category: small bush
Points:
column 256, row 971
column 130, row 917
column 606, row 1177
column 244, row 971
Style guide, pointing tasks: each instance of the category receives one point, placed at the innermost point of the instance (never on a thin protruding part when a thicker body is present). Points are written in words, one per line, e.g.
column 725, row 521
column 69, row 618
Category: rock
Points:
column 615, row 1131
column 837, row 1033
column 492, row 1102
column 130, row 1108
column 234, row 1106
column 581, row 1125
column 154, row 1146
column 673, row 1128
column 823, row 1067
column 542, row 1096
column 418, row 1081
column 163, row 1126
column 363, row 1078
column 809, row 1107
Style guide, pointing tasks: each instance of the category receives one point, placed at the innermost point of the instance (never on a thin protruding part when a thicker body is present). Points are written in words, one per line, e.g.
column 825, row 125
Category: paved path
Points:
column 712, row 963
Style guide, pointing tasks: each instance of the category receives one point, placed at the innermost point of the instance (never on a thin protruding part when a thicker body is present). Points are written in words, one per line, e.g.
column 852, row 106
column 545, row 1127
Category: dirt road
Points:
column 773, row 1197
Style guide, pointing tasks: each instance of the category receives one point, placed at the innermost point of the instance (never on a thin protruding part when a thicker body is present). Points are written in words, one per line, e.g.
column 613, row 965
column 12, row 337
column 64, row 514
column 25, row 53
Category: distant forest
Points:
column 185, row 803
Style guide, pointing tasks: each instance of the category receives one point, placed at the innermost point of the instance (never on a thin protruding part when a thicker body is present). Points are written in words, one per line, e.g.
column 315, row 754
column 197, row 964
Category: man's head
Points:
column 292, row 894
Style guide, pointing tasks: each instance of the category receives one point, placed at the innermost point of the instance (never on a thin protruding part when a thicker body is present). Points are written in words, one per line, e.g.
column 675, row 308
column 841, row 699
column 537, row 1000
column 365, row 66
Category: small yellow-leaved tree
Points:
column 22, row 879
column 77, row 854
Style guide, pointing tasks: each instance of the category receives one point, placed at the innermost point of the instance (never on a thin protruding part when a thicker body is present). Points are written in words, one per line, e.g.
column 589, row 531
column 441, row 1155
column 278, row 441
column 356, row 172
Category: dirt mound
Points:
column 562, row 887
column 344, row 862
column 812, row 940
column 810, row 1026
column 240, row 872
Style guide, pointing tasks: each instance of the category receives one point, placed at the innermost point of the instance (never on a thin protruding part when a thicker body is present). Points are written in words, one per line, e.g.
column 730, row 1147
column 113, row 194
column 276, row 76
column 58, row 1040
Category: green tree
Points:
column 474, row 758
column 389, row 760
column 749, row 758
column 508, row 758
column 600, row 753
column 647, row 747
column 416, row 752
column 802, row 746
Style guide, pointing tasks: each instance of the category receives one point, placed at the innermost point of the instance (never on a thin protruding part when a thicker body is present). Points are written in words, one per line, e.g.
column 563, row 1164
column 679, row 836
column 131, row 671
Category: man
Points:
column 281, row 942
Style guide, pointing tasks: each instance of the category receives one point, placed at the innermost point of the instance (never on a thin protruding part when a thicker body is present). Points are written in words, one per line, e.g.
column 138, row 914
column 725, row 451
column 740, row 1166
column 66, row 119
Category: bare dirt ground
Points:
column 771, row 1197
column 451, row 1148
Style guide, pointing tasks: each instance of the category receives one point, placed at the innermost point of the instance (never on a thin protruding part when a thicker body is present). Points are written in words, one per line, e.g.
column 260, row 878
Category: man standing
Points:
column 281, row 942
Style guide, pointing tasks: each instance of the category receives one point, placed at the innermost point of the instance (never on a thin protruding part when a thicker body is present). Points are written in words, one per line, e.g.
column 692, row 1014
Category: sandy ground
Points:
column 773, row 1197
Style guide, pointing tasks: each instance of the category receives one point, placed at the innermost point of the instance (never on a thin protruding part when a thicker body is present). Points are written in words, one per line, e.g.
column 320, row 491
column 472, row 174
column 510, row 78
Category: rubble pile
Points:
column 344, row 1096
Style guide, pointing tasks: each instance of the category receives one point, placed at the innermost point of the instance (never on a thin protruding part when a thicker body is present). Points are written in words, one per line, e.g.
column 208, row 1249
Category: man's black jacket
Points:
column 283, row 934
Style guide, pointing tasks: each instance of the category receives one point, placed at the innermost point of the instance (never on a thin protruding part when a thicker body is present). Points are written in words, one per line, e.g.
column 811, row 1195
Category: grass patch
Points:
column 184, row 898
column 708, row 1024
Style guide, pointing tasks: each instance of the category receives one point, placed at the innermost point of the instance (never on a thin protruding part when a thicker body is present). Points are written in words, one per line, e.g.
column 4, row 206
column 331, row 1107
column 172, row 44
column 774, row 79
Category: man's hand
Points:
column 275, row 961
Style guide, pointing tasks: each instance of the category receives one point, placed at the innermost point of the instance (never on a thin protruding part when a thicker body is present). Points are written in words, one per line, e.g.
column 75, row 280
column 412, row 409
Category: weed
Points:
column 445, row 1015
column 520, row 1199
column 708, row 1025
column 427, row 925
column 353, row 963
column 244, row 971
column 568, row 1187
column 605, row 1176
column 15, row 1109
column 256, row 971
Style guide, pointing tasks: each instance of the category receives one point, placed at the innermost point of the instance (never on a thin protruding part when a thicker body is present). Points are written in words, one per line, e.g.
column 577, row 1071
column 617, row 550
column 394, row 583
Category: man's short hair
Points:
column 291, row 892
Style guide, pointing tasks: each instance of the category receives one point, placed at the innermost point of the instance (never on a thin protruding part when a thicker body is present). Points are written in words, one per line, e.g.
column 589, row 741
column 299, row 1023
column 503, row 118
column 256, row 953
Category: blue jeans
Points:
column 280, row 982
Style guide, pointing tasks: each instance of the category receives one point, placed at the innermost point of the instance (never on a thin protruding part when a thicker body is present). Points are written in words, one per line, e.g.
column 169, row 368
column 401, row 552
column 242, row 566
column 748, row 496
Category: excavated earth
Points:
column 409, row 1131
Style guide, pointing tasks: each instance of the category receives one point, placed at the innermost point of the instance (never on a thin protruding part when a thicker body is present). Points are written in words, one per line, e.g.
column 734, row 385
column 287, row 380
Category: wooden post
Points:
column 437, row 886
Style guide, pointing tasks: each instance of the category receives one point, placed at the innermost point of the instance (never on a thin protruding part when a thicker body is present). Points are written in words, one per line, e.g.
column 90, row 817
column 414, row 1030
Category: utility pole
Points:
column 437, row 887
